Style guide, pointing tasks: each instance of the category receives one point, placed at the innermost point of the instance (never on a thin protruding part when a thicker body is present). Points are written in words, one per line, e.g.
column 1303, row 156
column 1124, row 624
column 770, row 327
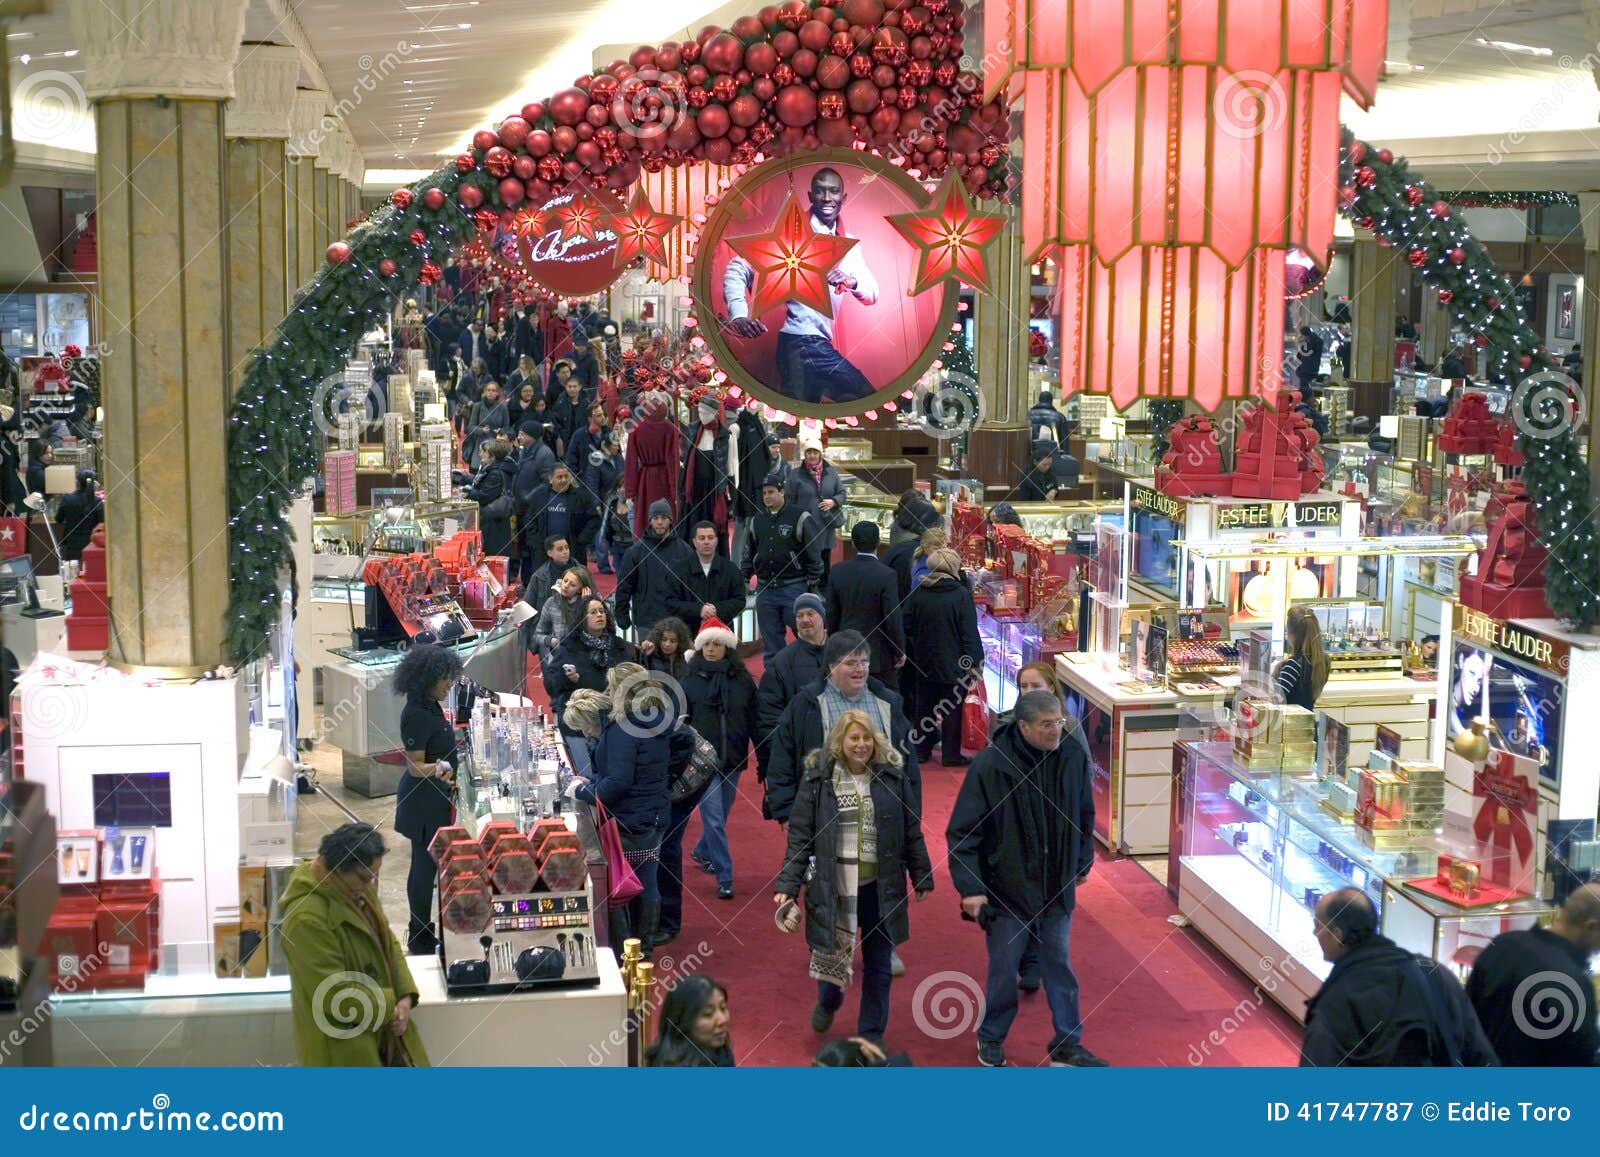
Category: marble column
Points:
column 1375, row 275
column 325, row 183
column 302, row 253
column 158, row 72
column 998, row 448
column 256, row 123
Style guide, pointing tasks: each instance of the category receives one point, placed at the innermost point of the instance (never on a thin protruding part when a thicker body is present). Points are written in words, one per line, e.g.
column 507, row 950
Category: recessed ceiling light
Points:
column 1513, row 46
column 463, row 26
column 24, row 58
column 407, row 82
column 70, row 52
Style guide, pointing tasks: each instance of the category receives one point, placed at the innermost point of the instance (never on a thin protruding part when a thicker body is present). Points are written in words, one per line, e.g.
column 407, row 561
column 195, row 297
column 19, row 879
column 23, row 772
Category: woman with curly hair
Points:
column 855, row 818
column 629, row 775
column 423, row 803
column 667, row 647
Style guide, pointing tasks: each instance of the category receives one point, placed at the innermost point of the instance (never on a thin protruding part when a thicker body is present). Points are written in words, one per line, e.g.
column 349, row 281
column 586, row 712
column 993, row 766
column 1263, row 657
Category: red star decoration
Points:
column 953, row 240
column 791, row 261
column 642, row 231
column 532, row 222
column 581, row 216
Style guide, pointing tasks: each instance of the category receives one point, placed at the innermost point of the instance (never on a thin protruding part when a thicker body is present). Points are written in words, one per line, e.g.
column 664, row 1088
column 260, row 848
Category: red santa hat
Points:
column 714, row 630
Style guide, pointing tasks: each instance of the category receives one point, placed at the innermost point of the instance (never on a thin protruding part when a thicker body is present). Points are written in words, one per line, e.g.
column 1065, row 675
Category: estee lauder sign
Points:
column 1156, row 502
column 1552, row 655
column 1277, row 515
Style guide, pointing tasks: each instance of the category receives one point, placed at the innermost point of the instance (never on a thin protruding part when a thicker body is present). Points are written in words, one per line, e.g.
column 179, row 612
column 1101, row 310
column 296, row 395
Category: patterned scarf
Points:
column 856, row 830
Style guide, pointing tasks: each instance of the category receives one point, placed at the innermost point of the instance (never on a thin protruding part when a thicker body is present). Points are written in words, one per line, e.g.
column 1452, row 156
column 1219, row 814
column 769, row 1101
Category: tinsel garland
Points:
column 273, row 447
column 1518, row 199
column 1379, row 192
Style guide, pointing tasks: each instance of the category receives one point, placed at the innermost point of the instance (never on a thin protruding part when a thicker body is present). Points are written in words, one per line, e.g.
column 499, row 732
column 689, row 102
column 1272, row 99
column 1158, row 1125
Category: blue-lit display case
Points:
column 1008, row 645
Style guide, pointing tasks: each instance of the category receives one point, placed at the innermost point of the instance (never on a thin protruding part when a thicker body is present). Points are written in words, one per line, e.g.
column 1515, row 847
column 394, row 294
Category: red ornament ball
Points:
column 833, row 72
column 511, row 192
column 429, row 273
column 418, row 238
column 761, row 58
column 433, row 198
column 533, row 112
column 1446, row 296
column 401, row 198
column 1493, row 303
column 470, row 196
column 713, row 121
column 1480, row 340
column 841, row 44
column 889, row 46
column 724, row 89
column 1413, row 195
column 466, row 162
column 538, row 143
column 484, row 139
column 387, row 267
column 860, row 65
column 814, row 34
column 745, row 110
column 1385, row 157
column 862, row 96
column 1440, row 209
column 797, row 106
column 514, row 131
column 486, row 219
column 568, row 106
column 1417, row 257
column 338, row 253
column 1365, row 222
column 498, row 161
column 804, row 62
column 1525, row 361
column 1457, row 256
column 782, row 75
column 867, row 13
column 524, row 168
column 1358, row 152
column 831, row 106
column 793, row 13
column 1366, row 177
column 722, row 53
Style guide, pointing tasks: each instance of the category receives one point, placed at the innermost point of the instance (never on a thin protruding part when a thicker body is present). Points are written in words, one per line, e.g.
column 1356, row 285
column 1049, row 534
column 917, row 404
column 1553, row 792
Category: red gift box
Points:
column 70, row 944
column 128, row 929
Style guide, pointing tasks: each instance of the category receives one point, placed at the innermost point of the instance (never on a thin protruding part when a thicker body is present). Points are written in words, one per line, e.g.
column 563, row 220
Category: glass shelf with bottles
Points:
column 1355, row 636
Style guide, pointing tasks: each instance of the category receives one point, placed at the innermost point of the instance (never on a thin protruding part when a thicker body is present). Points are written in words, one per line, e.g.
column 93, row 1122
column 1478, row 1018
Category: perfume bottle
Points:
column 115, row 839
column 136, row 848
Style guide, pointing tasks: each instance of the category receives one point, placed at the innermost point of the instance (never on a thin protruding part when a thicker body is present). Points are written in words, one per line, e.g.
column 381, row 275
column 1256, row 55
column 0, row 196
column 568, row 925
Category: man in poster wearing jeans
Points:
column 810, row 367
column 1021, row 839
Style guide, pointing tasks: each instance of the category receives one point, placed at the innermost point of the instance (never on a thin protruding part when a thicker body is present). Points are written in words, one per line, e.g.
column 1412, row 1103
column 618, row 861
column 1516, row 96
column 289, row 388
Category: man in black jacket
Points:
column 1532, row 991
column 1047, row 422
column 533, row 460
column 781, row 555
column 807, row 720
column 712, row 586
column 1039, row 481
column 650, row 572
column 795, row 668
column 864, row 596
column 563, row 508
column 1021, row 840
column 1382, row 1005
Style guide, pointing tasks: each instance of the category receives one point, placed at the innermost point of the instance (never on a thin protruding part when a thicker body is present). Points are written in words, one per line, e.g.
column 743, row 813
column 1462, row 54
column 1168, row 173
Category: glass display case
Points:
column 864, row 501
column 1063, row 520
column 1008, row 644
column 1258, row 851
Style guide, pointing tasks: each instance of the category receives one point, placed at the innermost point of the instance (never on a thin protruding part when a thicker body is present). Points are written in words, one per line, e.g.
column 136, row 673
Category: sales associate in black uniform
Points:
column 424, row 677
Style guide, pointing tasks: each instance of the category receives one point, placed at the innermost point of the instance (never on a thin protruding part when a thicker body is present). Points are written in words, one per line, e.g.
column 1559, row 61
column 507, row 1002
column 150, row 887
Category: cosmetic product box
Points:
column 253, row 899
column 130, row 929
column 70, row 945
column 69, row 844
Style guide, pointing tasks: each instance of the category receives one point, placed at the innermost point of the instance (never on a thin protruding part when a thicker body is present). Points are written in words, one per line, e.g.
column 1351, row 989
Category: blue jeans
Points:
column 774, row 614
column 875, row 975
column 714, row 808
column 810, row 368
column 1008, row 938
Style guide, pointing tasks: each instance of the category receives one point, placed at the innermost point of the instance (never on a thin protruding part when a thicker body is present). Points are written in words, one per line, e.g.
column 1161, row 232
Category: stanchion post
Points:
column 631, row 958
column 644, row 985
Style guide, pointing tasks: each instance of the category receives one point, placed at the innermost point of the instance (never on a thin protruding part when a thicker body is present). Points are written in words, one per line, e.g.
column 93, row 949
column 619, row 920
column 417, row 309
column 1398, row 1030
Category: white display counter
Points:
column 189, row 1021
column 1131, row 736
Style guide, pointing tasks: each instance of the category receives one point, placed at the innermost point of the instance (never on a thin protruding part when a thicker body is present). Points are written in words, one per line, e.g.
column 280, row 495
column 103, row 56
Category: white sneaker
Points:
column 897, row 967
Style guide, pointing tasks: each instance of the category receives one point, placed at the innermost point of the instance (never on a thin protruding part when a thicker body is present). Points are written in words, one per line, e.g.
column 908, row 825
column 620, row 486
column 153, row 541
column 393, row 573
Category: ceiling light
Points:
column 24, row 58
column 70, row 52
column 1513, row 46
column 463, row 26
column 407, row 82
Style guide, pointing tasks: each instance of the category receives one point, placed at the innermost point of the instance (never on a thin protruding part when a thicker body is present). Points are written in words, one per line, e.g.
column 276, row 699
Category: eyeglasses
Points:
column 856, row 664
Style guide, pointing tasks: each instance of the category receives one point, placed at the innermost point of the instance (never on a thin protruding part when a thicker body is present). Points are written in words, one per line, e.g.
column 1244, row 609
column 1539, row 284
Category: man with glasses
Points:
column 808, row 719
column 1021, row 838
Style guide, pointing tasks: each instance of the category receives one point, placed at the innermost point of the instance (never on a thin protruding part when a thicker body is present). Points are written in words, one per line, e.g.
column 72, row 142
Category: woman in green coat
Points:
column 350, row 989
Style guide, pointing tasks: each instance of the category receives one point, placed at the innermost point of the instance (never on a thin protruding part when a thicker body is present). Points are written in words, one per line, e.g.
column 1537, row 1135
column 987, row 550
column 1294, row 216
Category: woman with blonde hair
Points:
column 855, row 817
column 1304, row 670
column 934, row 538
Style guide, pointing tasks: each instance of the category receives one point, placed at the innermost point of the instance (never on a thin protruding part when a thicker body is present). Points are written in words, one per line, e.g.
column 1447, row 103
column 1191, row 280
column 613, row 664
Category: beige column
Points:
column 358, row 174
column 997, row 449
column 1589, row 207
column 158, row 72
column 302, row 253
column 1434, row 328
column 325, row 183
column 256, row 122
column 1375, row 273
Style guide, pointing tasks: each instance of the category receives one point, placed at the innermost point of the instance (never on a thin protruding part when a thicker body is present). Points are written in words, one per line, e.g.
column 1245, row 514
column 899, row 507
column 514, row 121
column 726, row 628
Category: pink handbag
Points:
column 623, row 879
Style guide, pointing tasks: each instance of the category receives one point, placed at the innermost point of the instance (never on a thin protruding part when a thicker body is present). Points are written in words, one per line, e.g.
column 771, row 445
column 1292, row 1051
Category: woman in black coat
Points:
column 584, row 657
column 814, row 487
column 77, row 516
column 723, row 707
column 824, row 825
column 946, row 652
column 496, row 480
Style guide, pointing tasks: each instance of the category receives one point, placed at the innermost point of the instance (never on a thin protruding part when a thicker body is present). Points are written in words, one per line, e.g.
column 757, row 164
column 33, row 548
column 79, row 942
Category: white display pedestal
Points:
column 247, row 1023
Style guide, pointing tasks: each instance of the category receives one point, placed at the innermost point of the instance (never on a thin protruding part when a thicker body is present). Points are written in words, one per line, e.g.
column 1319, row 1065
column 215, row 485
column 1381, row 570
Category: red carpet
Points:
column 1152, row 993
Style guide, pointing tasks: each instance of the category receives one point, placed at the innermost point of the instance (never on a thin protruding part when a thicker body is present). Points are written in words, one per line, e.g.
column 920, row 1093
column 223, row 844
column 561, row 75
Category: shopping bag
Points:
column 975, row 720
column 13, row 538
column 623, row 879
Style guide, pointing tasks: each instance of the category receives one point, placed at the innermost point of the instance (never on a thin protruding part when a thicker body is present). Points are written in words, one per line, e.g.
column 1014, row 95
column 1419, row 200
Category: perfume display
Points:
column 78, row 857
column 517, row 767
column 1357, row 642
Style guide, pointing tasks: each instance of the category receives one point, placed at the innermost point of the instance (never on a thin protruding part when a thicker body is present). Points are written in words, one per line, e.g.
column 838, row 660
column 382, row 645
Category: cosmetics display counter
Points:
column 1257, row 851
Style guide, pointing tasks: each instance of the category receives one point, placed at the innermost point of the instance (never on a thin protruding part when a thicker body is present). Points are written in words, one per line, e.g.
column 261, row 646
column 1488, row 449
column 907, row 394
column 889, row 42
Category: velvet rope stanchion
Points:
column 1379, row 192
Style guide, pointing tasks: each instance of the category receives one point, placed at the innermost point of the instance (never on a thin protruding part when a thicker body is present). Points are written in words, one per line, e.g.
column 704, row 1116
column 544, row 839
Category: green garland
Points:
column 1163, row 414
column 1378, row 192
column 273, row 450
column 1519, row 199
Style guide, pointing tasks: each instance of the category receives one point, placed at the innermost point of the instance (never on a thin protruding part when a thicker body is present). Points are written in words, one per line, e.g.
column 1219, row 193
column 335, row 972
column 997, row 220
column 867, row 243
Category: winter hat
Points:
column 774, row 478
column 660, row 508
column 810, row 602
column 714, row 630
column 810, row 440
column 532, row 429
